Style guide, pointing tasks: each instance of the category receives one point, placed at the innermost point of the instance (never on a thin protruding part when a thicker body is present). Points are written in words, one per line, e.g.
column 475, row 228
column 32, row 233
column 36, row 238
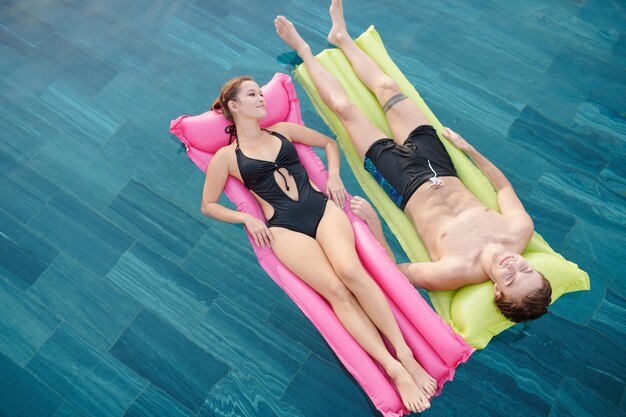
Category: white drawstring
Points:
column 435, row 181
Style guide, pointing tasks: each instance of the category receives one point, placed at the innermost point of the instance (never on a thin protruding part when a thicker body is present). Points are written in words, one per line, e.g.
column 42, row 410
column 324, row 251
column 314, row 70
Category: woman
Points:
column 311, row 236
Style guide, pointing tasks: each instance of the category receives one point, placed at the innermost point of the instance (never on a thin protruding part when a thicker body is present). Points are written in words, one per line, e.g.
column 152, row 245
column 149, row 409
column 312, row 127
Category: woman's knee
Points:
column 351, row 273
column 337, row 292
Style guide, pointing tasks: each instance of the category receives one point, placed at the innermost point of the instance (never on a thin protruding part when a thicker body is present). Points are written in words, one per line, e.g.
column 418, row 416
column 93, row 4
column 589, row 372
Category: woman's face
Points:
column 250, row 103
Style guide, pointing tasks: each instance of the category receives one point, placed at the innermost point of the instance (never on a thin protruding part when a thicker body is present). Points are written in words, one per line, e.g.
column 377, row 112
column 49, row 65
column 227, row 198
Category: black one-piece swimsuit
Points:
column 302, row 215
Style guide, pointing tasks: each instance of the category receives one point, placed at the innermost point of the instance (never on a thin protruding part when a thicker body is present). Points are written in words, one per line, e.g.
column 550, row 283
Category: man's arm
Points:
column 445, row 274
column 377, row 230
column 495, row 176
column 508, row 201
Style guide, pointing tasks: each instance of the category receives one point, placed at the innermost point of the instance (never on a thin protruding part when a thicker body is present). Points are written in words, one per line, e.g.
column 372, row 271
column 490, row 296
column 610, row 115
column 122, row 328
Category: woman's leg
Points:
column 402, row 114
column 361, row 130
column 304, row 256
column 336, row 238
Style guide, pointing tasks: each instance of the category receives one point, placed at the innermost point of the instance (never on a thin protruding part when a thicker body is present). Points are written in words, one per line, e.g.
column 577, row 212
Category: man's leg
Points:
column 402, row 114
column 361, row 130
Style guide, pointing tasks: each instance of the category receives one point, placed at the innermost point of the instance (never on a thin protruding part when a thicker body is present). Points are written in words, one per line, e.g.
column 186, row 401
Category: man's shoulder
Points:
column 521, row 230
column 467, row 269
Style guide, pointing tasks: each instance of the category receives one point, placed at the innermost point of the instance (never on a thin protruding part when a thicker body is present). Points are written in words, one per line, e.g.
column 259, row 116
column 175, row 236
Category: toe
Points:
column 408, row 406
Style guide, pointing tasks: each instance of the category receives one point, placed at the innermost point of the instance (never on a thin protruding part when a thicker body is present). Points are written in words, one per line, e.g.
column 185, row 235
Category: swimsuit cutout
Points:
column 302, row 215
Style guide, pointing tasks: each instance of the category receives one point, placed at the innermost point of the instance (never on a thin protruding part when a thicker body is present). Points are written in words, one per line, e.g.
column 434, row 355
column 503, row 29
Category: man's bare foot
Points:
column 413, row 398
column 422, row 379
column 290, row 35
column 339, row 31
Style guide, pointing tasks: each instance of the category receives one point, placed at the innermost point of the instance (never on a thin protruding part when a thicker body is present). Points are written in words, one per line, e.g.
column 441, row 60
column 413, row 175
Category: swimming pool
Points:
column 118, row 298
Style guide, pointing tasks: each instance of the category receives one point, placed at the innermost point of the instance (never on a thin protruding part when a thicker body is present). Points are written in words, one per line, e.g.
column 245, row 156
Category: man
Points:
column 468, row 242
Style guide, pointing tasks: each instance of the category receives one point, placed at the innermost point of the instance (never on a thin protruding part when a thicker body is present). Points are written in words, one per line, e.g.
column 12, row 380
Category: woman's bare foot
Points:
column 422, row 379
column 339, row 31
column 413, row 398
column 290, row 35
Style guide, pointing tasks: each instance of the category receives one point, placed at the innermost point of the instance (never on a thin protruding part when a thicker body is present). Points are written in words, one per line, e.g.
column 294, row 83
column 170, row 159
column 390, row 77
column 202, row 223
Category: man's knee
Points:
column 343, row 108
column 386, row 87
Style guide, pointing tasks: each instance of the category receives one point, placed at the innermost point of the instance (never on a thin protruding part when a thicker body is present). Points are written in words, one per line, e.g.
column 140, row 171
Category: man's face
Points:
column 513, row 276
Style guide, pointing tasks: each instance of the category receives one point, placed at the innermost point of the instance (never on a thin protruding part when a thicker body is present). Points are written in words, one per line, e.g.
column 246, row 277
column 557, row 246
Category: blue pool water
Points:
column 118, row 298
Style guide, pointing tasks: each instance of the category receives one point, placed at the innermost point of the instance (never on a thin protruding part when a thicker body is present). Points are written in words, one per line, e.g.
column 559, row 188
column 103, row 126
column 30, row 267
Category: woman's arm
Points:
column 216, row 176
column 302, row 134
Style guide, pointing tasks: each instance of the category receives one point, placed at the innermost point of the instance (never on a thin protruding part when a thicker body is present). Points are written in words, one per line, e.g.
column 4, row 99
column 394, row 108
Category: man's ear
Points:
column 496, row 290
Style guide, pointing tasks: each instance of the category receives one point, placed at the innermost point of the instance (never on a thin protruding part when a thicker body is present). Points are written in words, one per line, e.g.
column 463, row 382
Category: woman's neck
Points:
column 248, row 130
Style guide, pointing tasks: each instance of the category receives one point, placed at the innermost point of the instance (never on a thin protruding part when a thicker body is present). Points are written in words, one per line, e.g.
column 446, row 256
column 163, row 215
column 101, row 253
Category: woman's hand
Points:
column 335, row 190
column 363, row 210
column 260, row 232
column 456, row 139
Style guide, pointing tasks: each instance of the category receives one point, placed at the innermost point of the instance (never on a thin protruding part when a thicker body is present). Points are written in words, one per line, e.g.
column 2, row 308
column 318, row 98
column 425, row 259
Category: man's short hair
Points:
column 533, row 305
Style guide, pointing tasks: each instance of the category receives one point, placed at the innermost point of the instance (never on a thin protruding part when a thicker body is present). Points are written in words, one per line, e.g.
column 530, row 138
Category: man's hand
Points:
column 456, row 139
column 363, row 210
column 404, row 268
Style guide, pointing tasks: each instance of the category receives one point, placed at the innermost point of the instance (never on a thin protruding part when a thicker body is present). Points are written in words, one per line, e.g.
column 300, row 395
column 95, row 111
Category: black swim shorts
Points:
column 401, row 169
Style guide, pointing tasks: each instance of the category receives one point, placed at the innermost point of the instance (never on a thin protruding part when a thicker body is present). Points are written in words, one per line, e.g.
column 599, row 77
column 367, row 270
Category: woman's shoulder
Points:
column 225, row 154
column 226, row 150
column 282, row 128
column 224, row 160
